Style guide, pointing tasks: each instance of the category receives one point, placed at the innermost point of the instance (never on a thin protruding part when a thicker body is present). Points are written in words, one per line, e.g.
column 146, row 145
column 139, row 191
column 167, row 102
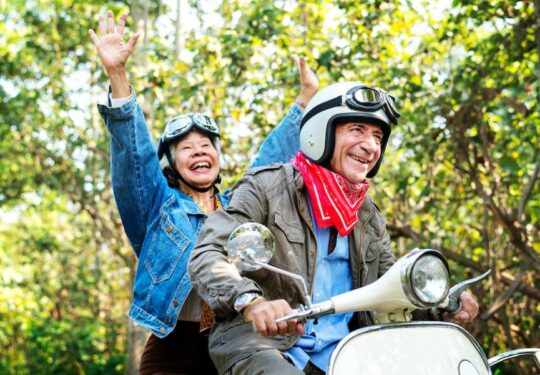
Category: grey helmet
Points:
column 344, row 101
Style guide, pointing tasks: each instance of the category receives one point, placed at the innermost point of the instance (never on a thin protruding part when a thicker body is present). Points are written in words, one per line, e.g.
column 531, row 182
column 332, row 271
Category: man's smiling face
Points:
column 356, row 151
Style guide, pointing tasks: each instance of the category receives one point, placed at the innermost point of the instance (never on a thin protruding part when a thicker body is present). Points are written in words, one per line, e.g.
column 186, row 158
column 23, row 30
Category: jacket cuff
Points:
column 222, row 301
column 296, row 113
column 119, row 113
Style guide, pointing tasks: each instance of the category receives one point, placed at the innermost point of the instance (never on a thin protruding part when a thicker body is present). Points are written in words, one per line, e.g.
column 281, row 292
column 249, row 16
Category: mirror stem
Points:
column 286, row 273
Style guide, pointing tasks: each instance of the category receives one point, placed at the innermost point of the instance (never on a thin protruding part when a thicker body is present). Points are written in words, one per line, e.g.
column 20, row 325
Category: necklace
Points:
column 202, row 202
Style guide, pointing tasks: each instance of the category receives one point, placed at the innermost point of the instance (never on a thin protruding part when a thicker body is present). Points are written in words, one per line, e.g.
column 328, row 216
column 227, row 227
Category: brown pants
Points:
column 183, row 351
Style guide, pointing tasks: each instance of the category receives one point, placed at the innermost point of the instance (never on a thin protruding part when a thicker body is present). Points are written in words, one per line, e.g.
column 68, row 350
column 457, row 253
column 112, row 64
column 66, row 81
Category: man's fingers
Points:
column 93, row 36
column 302, row 63
column 283, row 328
column 121, row 24
column 261, row 327
column 110, row 22
column 271, row 327
column 300, row 328
column 463, row 315
column 102, row 25
column 264, row 315
column 291, row 325
column 472, row 309
column 469, row 305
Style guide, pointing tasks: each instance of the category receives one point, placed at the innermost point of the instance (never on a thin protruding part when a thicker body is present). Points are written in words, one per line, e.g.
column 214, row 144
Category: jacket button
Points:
column 175, row 303
column 161, row 330
column 168, row 229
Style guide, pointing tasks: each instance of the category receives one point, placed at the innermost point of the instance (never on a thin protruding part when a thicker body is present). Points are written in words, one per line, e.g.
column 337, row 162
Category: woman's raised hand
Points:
column 113, row 51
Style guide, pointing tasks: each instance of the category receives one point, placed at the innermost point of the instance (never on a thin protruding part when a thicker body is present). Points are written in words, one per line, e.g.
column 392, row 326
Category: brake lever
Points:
column 454, row 303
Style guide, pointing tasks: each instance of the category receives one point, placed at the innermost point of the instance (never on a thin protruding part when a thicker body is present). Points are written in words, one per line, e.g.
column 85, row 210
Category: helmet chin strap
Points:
column 181, row 179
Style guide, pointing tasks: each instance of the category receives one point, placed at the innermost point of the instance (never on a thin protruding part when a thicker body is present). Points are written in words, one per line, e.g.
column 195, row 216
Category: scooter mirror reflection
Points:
column 249, row 245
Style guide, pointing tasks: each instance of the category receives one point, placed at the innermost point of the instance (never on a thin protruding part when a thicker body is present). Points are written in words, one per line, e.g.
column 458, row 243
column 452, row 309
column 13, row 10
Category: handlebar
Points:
column 454, row 303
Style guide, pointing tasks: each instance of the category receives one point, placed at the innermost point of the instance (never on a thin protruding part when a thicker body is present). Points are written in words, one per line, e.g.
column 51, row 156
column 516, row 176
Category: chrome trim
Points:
column 407, row 325
column 471, row 366
column 515, row 353
column 406, row 271
column 286, row 273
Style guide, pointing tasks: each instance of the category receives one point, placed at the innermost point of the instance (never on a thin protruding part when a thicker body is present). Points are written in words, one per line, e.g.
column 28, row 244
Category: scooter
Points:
column 395, row 344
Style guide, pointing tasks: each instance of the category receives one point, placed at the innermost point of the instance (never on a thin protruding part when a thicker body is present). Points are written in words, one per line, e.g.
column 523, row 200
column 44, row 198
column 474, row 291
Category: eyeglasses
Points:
column 367, row 98
column 184, row 123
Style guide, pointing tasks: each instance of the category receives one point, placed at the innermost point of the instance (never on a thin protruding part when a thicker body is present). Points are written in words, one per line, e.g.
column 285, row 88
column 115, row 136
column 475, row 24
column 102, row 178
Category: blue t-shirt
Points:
column 333, row 276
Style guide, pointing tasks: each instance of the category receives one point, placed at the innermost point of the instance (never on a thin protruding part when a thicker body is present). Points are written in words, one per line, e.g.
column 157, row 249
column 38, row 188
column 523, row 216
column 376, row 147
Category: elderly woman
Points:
column 164, row 198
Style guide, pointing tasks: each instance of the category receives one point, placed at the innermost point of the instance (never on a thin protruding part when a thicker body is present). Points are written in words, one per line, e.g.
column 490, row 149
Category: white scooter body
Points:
column 414, row 348
column 396, row 345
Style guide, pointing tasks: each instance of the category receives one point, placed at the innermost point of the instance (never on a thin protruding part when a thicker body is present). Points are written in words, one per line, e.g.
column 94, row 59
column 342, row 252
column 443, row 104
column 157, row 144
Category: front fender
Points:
column 413, row 348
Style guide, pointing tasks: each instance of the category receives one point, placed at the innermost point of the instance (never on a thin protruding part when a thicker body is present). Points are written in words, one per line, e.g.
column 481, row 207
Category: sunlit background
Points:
column 461, row 172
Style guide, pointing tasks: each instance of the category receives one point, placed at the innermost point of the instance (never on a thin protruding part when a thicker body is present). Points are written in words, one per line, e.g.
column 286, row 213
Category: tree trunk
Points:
column 179, row 33
column 137, row 337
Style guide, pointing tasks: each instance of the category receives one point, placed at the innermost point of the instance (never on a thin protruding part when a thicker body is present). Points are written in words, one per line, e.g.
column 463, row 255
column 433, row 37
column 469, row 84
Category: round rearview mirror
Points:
column 250, row 245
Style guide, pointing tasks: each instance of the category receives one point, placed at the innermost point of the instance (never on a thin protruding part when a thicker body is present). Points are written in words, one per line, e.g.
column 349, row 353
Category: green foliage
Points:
column 460, row 173
column 55, row 304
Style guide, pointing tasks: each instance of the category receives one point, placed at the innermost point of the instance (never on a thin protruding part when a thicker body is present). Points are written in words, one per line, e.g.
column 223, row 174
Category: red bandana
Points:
column 335, row 200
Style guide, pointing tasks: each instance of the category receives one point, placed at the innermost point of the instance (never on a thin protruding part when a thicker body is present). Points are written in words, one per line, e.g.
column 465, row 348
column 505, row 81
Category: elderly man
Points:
column 326, row 229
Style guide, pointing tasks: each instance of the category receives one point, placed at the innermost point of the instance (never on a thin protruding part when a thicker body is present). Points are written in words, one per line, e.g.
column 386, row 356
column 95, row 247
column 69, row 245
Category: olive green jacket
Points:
column 275, row 197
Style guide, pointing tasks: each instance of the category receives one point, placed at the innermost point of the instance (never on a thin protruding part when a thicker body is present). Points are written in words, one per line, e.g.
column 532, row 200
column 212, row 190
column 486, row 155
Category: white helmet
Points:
column 345, row 101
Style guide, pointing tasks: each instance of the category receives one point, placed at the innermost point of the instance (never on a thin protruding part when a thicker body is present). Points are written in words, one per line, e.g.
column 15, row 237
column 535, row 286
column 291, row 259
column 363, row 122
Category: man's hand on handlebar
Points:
column 468, row 311
column 264, row 314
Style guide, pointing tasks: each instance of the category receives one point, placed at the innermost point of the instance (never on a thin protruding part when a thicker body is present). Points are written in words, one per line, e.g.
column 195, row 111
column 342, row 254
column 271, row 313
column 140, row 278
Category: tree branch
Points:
column 503, row 298
column 523, row 288
column 529, row 188
column 408, row 232
column 517, row 234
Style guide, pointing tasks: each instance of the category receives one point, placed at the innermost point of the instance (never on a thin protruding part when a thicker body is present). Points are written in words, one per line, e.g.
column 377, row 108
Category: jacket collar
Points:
column 301, row 199
column 191, row 207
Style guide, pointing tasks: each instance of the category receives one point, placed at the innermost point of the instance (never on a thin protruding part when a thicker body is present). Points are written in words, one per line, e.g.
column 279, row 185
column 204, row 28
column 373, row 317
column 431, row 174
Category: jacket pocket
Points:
column 373, row 251
column 167, row 247
column 294, row 233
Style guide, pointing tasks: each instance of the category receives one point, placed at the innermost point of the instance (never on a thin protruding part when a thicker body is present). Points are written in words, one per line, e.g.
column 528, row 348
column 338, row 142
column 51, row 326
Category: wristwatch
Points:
column 243, row 301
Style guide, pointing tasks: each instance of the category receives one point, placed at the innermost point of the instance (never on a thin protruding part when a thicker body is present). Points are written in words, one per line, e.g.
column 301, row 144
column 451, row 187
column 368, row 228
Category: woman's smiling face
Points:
column 196, row 159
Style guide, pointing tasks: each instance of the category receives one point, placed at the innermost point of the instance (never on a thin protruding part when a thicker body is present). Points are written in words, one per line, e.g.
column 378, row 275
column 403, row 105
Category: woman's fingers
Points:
column 121, row 24
column 110, row 22
column 133, row 41
column 94, row 37
column 102, row 25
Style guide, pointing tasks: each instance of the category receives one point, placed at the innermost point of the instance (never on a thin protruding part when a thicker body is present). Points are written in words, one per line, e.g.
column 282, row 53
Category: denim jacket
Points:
column 163, row 223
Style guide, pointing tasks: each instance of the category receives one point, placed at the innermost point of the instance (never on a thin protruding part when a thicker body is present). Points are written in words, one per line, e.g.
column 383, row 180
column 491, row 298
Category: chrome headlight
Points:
column 426, row 280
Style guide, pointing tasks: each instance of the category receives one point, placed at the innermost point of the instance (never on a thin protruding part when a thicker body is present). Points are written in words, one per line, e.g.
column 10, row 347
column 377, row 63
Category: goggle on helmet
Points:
column 183, row 124
column 342, row 102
